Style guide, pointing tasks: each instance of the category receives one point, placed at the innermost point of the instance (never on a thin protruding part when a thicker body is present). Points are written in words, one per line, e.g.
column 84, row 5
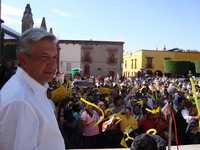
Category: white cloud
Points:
column 61, row 13
column 37, row 22
column 10, row 21
column 8, row 10
column 12, row 16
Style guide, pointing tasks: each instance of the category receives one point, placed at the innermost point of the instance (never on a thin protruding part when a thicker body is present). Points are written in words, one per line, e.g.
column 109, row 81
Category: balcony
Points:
column 112, row 61
column 86, row 59
column 149, row 66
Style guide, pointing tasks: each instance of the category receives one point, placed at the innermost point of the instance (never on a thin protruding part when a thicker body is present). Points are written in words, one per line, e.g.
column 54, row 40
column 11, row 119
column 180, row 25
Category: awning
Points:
column 10, row 33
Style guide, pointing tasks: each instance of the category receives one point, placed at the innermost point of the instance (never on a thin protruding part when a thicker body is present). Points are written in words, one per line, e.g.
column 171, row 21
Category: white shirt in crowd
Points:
column 186, row 115
column 27, row 120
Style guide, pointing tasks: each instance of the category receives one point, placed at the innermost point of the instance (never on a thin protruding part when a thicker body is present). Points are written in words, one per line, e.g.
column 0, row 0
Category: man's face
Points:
column 41, row 61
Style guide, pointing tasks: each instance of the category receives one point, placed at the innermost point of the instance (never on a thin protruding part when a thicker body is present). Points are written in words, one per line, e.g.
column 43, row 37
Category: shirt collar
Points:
column 34, row 85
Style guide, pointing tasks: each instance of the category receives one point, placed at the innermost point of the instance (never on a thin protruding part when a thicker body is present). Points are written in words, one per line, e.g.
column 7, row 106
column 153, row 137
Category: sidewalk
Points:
column 188, row 147
column 185, row 147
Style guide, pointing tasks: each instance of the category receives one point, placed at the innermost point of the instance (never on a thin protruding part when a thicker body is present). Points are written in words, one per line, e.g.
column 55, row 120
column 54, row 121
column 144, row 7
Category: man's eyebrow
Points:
column 48, row 55
column 44, row 53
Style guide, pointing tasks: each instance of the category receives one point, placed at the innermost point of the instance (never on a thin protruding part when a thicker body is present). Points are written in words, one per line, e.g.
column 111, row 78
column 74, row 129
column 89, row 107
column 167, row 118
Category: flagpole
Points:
column 170, row 130
column 170, row 108
column 0, row 17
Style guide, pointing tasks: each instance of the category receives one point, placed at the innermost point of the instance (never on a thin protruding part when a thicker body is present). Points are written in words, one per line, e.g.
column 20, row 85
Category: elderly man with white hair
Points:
column 27, row 120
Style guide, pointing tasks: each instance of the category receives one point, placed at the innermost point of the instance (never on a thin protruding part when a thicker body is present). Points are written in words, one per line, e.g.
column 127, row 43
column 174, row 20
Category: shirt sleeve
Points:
column 19, row 127
column 186, row 116
column 86, row 118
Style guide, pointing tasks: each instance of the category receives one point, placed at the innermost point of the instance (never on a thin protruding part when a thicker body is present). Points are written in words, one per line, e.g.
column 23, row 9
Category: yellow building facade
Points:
column 153, row 60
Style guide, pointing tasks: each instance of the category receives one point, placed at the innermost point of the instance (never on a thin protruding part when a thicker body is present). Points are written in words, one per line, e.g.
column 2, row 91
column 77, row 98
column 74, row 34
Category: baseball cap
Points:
column 35, row 34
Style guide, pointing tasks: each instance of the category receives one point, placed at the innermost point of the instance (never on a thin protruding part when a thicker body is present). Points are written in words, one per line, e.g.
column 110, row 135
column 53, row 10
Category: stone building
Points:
column 92, row 57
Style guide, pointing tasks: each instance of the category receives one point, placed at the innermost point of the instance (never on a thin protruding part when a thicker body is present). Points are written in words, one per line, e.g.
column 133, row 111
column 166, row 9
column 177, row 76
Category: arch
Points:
column 112, row 74
column 158, row 73
column 86, row 69
column 149, row 72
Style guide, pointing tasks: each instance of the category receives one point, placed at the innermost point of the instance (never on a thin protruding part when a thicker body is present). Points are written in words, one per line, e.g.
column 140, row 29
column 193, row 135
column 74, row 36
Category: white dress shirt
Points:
column 186, row 115
column 27, row 120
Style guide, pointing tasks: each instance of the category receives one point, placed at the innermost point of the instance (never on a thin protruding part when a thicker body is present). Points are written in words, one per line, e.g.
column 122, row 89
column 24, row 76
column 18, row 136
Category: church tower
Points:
column 27, row 20
column 43, row 24
column 164, row 48
column 51, row 31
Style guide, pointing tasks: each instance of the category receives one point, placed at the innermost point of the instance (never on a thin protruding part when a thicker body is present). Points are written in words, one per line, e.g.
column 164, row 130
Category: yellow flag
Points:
column 197, row 102
column 58, row 94
column 123, row 143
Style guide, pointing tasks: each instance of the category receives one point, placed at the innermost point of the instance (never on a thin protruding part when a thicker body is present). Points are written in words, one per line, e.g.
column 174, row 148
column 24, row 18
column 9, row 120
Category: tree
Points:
column 197, row 66
column 179, row 67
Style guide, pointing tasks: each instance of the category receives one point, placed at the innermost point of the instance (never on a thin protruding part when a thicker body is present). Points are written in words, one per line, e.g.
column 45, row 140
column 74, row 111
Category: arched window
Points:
column 87, row 69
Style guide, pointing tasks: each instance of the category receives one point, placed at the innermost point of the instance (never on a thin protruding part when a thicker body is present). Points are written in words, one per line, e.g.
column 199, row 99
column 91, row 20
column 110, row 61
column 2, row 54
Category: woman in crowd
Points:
column 138, row 104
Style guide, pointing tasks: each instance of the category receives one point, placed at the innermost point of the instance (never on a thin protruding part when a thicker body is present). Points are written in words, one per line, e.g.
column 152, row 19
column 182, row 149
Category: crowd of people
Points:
column 37, row 112
column 7, row 69
column 131, row 108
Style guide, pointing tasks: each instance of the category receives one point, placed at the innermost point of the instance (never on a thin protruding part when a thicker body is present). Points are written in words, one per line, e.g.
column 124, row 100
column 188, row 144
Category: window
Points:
column 167, row 58
column 68, row 67
column 111, row 58
column 135, row 64
column 98, row 69
column 87, row 69
column 131, row 63
column 149, row 62
column 86, row 53
column 86, row 57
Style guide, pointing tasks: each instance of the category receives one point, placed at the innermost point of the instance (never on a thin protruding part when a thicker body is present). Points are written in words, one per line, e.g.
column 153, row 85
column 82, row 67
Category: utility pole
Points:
column 1, row 34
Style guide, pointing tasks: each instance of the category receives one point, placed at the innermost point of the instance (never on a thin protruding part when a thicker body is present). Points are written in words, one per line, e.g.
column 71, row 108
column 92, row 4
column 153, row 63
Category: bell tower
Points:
column 27, row 20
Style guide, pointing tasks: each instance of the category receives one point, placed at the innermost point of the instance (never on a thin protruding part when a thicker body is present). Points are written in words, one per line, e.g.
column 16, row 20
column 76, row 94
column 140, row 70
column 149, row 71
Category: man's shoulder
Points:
column 12, row 90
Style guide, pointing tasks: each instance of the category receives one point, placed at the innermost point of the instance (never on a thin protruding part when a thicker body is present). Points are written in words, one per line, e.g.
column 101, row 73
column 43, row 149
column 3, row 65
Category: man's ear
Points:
column 22, row 58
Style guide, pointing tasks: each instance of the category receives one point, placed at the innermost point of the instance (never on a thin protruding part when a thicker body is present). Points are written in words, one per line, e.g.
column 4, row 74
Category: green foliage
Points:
column 197, row 66
column 179, row 67
column 9, row 51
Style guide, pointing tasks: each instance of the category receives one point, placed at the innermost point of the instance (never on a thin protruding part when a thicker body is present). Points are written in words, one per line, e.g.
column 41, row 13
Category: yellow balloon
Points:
column 154, row 111
column 151, row 132
column 97, row 107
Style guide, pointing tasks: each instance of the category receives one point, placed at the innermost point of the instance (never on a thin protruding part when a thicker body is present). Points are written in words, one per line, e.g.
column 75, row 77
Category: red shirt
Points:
column 157, row 124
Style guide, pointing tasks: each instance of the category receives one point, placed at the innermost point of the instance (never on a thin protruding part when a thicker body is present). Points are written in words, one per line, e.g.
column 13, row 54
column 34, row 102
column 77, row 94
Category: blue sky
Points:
column 141, row 24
